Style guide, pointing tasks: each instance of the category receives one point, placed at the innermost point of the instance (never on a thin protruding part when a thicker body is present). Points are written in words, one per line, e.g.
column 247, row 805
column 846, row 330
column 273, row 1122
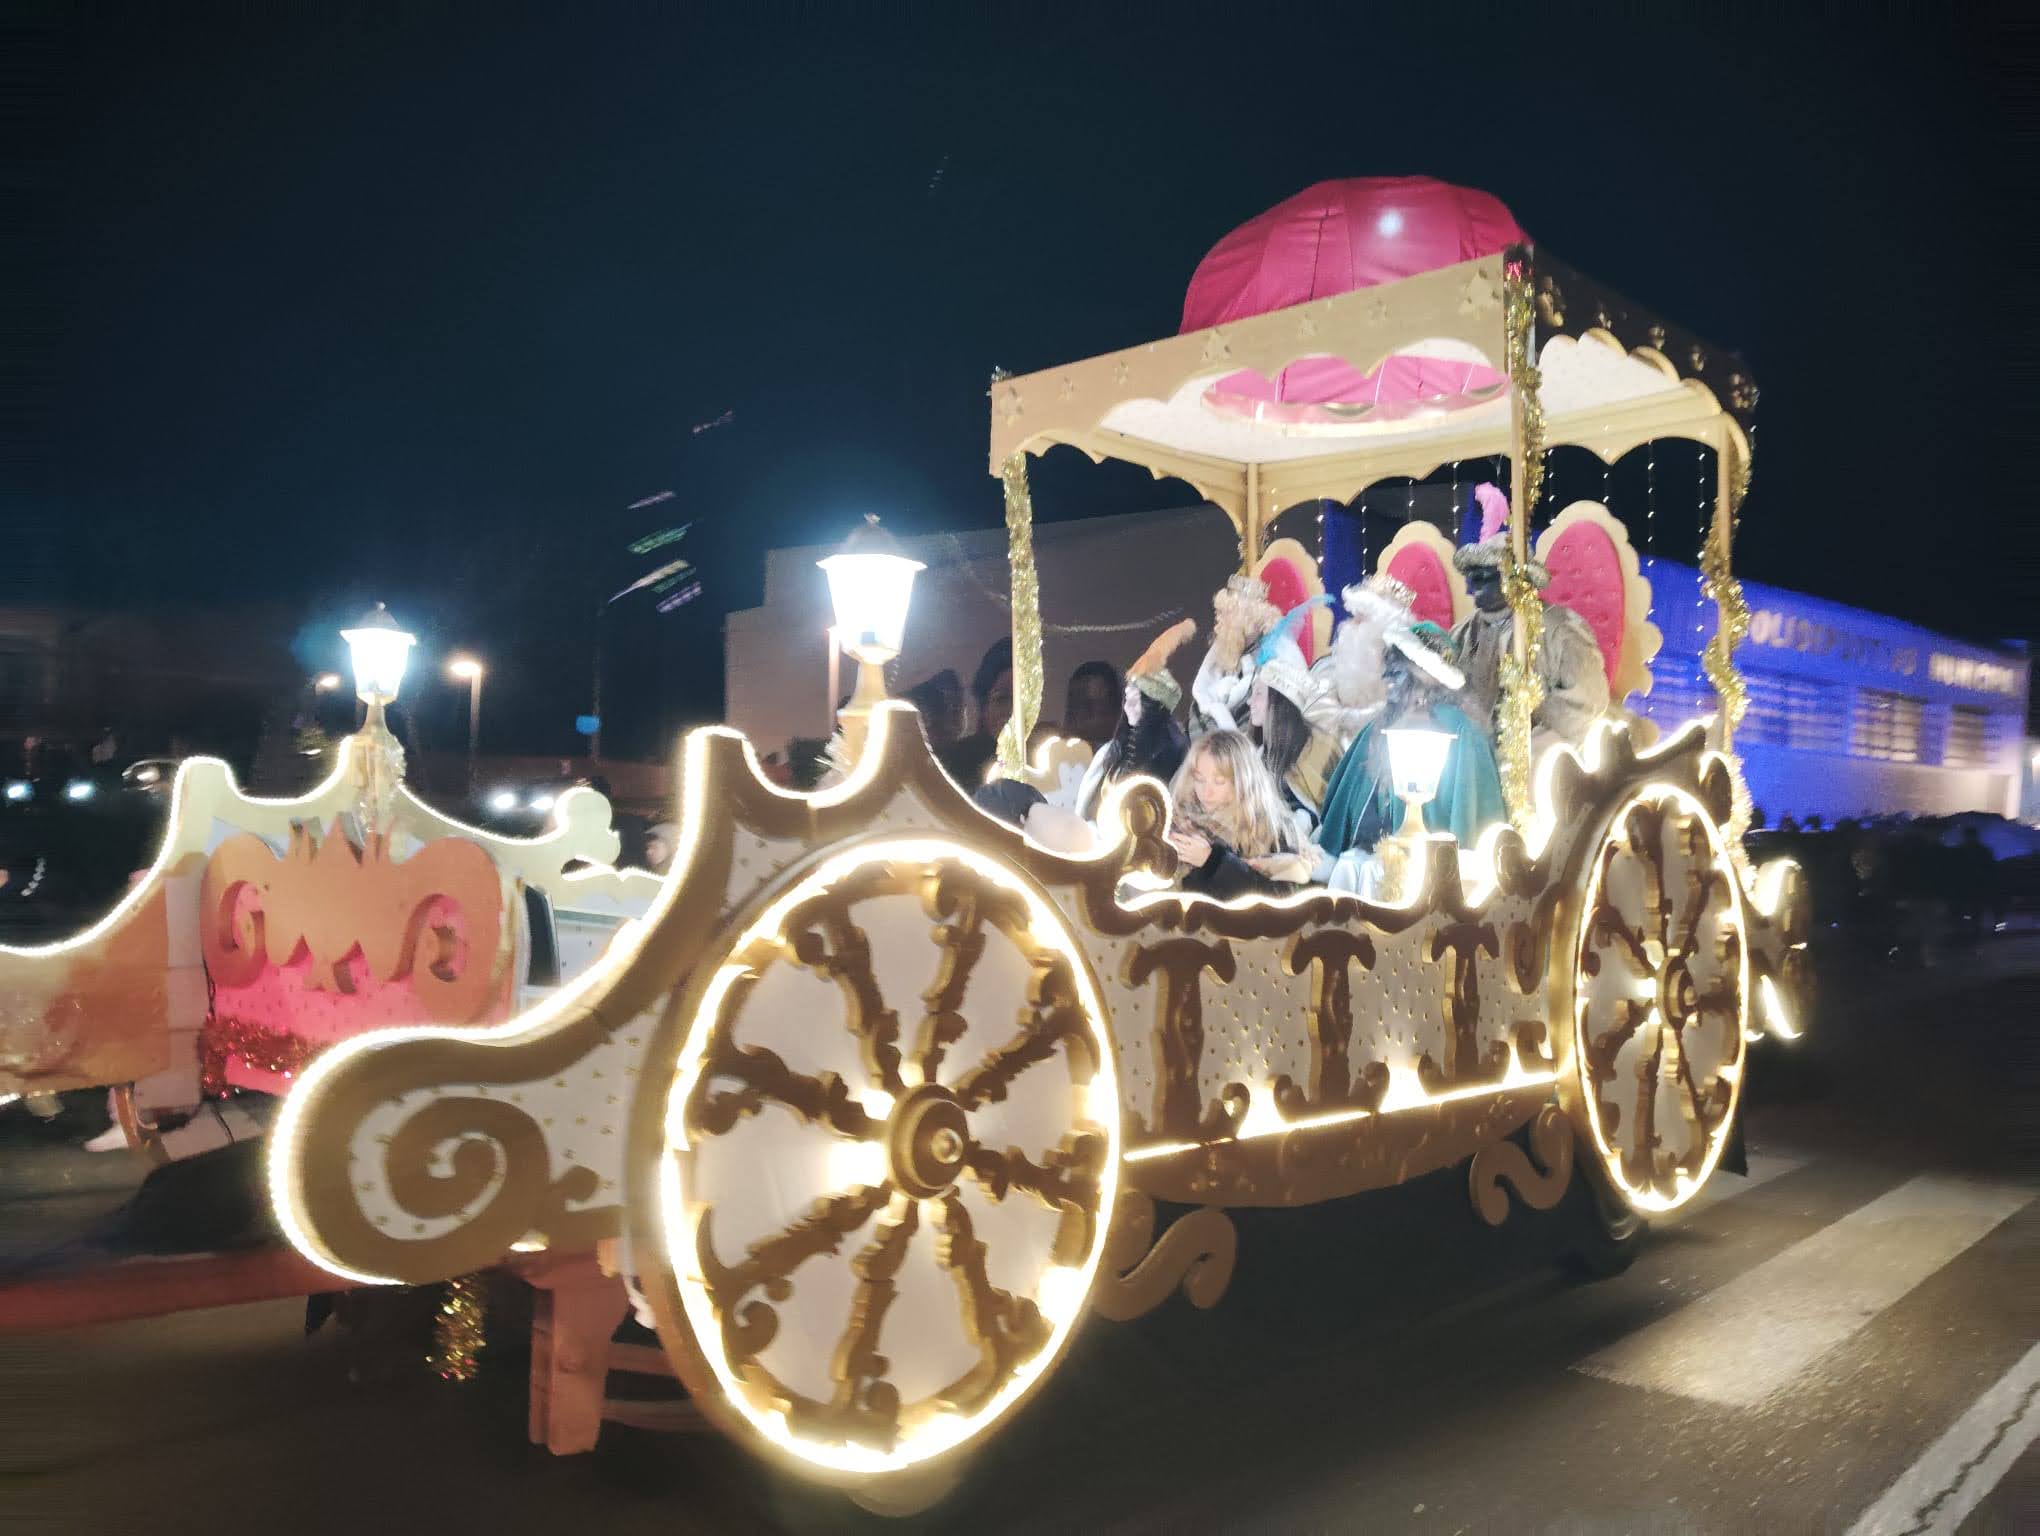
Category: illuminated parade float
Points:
column 880, row 1095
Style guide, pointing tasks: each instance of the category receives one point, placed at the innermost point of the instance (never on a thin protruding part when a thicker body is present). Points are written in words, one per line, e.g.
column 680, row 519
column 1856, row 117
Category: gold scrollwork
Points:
column 1330, row 954
column 1196, row 1253
column 1178, row 966
column 1539, row 1177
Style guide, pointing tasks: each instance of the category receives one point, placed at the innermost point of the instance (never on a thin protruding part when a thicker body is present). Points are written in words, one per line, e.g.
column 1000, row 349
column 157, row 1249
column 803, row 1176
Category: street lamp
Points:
column 871, row 584
column 466, row 668
column 379, row 647
column 1416, row 761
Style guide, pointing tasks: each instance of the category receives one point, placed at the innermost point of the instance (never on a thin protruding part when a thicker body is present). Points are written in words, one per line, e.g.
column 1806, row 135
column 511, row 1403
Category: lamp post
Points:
column 379, row 648
column 1416, row 761
column 871, row 584
column 467, row 669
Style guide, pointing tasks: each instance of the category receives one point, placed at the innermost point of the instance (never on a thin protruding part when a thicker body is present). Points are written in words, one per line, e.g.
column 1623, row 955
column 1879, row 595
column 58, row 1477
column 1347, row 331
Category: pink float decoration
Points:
column 1418, row 567
column 1288, row 586
column 1587, row 577
column 1330, row 239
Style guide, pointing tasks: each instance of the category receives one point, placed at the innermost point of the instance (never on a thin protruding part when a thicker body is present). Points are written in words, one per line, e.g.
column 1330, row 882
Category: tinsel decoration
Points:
column 1522, row 677
column 457, row 1336
column 1026, row 615
column 1731, row 628
column 258, row 1046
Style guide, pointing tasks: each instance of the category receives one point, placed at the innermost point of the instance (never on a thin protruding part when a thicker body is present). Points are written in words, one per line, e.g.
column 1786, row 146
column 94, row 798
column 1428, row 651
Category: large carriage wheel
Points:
column 1660, row 982
column 890, row 1149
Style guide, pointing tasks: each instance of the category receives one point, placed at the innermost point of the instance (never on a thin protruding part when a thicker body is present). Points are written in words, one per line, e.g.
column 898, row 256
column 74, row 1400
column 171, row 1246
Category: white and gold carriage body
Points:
column 265, row 928
column 880, row 1096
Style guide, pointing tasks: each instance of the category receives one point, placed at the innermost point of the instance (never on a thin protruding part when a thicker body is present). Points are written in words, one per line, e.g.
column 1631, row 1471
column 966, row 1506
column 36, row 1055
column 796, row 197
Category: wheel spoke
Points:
column 1066, row 1183
column 770, row 1261
column 1644, row 1152
column 1608, row 926
column 767, row 1079
column 1008, row 1330
column 1707, row 1109
column 959, row 931
column 1631, row 1015
column 865, row 1407
column 1053, row 1017
column 835, row 947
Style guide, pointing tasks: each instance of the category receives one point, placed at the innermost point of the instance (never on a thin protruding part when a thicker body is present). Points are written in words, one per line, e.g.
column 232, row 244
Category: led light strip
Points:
column 1058, row 1297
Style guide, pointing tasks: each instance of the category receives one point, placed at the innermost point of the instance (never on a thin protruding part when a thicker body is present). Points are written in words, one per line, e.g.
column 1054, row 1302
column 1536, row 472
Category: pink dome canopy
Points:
column 1333, row 238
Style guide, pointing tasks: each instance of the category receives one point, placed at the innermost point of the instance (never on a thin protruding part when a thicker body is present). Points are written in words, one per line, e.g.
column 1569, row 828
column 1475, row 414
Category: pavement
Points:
column 1844, row 1341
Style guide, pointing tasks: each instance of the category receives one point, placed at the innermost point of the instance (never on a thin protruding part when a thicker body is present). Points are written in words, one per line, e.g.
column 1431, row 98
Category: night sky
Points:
column 327, row 310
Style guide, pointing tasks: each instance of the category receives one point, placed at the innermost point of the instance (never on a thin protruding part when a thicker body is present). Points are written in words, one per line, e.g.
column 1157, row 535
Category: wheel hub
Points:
column 927, row 1140
column 1677, row 997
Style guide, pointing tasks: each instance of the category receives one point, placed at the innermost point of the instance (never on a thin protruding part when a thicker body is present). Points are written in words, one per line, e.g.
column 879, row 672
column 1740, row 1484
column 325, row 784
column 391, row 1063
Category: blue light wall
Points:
column 1850, row 711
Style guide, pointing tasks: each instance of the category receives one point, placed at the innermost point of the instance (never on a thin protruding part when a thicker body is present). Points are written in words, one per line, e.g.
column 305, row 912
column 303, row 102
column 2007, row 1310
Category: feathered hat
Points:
column 1279, row 659
column 1492, row 550
column 1425, row 644
column 1381, row 599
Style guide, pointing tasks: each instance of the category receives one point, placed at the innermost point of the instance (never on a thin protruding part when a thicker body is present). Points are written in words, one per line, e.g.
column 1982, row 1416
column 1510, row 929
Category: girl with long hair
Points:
column 1231, row 829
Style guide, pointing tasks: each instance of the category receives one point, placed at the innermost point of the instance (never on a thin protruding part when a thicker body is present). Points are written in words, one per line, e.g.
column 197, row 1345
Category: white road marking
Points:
column 1939, row 1490
column 1743, row 1341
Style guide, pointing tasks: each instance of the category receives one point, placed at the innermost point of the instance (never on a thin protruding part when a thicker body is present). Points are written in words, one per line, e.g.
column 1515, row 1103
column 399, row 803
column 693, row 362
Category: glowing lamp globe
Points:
column 379, row 648
column 1416, row 761
column 870, row 584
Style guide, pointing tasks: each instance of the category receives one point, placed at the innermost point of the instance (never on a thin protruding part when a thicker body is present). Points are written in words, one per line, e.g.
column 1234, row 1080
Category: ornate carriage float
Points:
column 879, row 1096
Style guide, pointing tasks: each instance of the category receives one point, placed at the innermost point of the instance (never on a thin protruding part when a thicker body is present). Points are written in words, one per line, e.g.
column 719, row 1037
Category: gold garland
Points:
column 457, row 1335
column 258, row 1046
column 1026, row 615
column 1522, row 680
column 1732, row 626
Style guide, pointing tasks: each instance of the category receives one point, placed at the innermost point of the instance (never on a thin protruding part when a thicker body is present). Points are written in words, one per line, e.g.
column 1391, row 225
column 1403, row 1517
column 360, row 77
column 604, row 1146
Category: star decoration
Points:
column 1306, row 325
column 1481, row 294
column 1377, row 312
column 1009, row 406
column 1216, row 349
column 1069, row 388
column 1656, row 337
column 1120, row 371
column 1698, row 358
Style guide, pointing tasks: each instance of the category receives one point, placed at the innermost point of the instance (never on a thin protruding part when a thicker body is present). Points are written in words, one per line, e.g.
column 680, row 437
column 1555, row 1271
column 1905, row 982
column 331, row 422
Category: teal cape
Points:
column 1361, row 809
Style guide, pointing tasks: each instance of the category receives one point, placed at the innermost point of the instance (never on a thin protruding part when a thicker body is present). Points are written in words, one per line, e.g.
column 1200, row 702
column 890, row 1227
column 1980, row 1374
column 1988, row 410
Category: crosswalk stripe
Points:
column 1937, row 1492
column 1743, row 1341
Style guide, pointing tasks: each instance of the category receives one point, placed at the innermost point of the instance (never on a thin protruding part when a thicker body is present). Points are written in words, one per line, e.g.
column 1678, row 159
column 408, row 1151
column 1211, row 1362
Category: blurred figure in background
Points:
column 940, row 701
column 1091, row 703
column 991, row 690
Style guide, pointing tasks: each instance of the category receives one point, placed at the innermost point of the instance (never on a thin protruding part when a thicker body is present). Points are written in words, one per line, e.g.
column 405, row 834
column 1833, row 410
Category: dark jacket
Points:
column 1225, row 876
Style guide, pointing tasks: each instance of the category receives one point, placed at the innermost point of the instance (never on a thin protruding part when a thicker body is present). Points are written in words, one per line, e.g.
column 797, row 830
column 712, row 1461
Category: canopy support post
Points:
column 1251, row 522
column 1026, row 587
column 1522, row 670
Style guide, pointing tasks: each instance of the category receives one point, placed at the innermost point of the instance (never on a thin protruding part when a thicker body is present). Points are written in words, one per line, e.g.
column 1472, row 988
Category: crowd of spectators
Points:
column 1908, row 889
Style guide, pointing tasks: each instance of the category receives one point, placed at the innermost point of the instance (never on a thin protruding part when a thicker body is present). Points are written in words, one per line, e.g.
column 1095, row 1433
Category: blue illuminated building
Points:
column 1849, row 711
